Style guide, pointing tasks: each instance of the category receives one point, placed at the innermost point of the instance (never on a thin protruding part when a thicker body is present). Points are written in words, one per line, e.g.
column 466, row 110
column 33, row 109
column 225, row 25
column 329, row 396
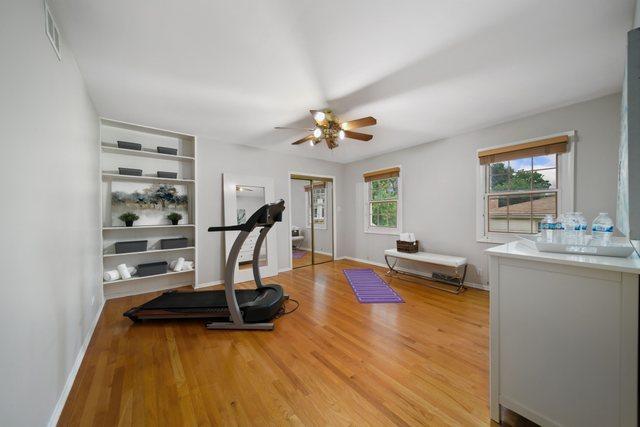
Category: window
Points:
column 319, row 194
column 383, row 203
column 521, row 183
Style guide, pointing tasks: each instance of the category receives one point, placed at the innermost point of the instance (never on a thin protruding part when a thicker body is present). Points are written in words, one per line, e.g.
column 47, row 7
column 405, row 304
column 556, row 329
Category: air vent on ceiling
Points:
column 52, row 30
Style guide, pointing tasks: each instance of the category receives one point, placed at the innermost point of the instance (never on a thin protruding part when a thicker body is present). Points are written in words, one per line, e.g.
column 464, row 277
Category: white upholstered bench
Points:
column 455, row 262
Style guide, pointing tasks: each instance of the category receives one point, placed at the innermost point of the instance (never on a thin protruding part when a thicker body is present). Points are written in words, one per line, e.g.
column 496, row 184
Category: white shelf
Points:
column 144, row 153
column 146, row 227
column 154, row 251
column 134, row 278
column 118, row 177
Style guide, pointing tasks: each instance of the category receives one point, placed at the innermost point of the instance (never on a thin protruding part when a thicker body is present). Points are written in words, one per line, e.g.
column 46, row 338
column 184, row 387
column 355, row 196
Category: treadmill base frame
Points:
column 237, row 326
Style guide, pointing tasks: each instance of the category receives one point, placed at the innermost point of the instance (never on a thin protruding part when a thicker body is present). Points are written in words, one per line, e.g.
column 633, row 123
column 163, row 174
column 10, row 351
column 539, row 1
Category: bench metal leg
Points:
column 459, row 284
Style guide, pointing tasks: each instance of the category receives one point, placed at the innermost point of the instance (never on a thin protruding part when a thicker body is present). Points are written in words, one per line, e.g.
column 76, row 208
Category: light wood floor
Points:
column 331, row 362
column 306, row 259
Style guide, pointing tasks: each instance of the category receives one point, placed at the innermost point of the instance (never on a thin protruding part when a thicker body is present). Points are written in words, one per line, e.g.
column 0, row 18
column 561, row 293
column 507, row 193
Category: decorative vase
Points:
column 128, row 223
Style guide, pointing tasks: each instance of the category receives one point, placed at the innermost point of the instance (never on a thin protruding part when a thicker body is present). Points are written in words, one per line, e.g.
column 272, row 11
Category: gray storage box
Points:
column 180, row 242
column 129, row 145
column 131, row 246
column 172, row 175
column 167, row 150
column 152, row 268
column 130, row 171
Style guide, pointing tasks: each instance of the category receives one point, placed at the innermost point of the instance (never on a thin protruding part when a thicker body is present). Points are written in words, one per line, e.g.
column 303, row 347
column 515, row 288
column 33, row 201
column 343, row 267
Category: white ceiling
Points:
column 229, row 71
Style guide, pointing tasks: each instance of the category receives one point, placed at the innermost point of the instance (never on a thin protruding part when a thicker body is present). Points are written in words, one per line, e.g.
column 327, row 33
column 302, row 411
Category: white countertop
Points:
column 520, row 250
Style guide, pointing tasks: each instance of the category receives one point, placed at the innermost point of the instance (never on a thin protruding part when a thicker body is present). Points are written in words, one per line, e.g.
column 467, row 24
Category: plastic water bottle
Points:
column 602, row 228
column 582, row 232
column 571, row 227
column 547, row 228
column 558, row 234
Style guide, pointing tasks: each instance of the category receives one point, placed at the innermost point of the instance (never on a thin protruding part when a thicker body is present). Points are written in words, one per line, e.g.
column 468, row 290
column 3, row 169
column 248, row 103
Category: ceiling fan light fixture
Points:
column 317, row 132
column 344, row 125
column 320, row 116
column 341, row 134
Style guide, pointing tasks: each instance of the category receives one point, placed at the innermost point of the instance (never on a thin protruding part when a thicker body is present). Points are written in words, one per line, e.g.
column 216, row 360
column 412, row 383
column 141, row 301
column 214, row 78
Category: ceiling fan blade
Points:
column 359, row 123
column 284, row 127
column 357, row 135
column 303, row 140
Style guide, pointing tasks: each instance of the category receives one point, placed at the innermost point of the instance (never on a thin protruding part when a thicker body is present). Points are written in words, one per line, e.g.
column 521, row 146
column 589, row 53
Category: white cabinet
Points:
column 564, row 337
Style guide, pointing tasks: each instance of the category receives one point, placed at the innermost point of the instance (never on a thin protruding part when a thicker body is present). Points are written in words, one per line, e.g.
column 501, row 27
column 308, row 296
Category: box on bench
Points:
column 407, row 247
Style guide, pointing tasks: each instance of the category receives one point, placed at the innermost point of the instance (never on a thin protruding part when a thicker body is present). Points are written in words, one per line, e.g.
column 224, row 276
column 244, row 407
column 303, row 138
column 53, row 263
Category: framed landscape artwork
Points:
column 152, row 202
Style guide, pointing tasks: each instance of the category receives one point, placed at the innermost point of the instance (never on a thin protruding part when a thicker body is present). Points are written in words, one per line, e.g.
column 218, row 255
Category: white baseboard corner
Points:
column 381, row 264
column 206, row 285
column 284, row 269
column 57, row 410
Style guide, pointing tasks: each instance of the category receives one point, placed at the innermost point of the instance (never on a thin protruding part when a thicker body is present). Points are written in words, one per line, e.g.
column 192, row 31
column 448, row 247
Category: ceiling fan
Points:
column 329, row 128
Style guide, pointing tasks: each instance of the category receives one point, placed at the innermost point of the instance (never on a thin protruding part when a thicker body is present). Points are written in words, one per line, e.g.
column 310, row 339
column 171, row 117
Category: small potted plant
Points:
column 174, row 217
column 128, row 218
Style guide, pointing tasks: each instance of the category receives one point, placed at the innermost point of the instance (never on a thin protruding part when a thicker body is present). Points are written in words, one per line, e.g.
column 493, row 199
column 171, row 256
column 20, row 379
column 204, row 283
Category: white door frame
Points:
column 229, row 182
column 333, row 208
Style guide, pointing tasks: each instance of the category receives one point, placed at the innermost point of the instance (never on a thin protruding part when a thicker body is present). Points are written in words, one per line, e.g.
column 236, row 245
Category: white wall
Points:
column 49, row 250
column 214, row 159
column 439, row 180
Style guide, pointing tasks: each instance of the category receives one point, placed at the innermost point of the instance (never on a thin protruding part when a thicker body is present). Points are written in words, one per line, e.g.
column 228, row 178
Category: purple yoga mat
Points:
column 369, row 287
column 296, row 254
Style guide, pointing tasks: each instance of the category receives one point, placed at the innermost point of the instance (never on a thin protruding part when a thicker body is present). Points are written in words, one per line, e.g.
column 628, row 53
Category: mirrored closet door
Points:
column 312, row 221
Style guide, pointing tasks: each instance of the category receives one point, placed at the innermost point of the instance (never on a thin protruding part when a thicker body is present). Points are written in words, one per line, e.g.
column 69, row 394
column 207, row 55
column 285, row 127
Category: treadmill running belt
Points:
column 197, row 300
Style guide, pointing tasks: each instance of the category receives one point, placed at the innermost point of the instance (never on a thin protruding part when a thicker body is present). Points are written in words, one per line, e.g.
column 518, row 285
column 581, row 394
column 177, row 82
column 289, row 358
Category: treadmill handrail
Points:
column 265, row 216
column 226, row 228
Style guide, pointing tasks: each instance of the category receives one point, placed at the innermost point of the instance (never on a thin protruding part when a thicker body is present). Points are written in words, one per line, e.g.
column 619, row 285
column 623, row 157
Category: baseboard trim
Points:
column 284, row 269
column 381, row 264
column 57, row 410
column 206, row 285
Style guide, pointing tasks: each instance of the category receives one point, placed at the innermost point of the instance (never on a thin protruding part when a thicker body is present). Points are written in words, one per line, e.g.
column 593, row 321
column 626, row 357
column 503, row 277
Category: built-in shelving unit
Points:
column 153, row 225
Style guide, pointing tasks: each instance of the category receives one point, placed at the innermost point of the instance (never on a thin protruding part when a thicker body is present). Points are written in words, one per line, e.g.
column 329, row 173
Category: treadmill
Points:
column 229, row 308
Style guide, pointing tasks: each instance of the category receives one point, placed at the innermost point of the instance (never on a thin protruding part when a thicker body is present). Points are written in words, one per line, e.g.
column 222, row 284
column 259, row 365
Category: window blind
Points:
column 381, row 174
column 315, row 185
column 540, row 147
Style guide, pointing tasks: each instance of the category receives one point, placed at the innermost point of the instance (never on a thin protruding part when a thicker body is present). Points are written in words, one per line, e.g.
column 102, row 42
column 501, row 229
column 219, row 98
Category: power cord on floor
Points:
column 283, row 311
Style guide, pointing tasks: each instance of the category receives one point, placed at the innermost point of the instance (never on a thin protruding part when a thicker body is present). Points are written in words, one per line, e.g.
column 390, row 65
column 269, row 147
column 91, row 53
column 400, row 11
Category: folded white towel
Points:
column 179, row 264
column 124, row 271
column 188, row 265
column 412, row 237
column 111, row 275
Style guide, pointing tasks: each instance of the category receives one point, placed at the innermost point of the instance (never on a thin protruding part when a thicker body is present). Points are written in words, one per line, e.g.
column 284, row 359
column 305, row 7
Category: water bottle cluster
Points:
column 571, row 228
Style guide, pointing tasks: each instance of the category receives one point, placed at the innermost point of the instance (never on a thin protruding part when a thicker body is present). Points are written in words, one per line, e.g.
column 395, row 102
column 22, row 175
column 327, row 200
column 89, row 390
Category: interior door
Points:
column 243, row 195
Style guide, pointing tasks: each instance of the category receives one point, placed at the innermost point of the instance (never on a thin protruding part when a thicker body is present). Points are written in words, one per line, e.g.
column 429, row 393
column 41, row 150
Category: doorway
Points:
column 312, row 220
